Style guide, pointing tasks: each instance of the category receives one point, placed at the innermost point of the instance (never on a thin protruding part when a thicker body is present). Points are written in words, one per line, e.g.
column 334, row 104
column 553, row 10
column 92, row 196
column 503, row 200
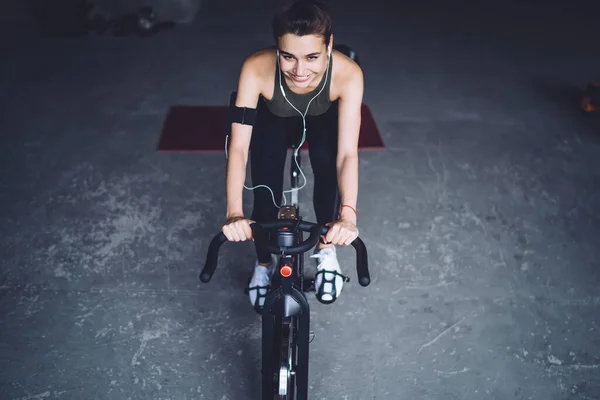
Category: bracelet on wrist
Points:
column 350, row 207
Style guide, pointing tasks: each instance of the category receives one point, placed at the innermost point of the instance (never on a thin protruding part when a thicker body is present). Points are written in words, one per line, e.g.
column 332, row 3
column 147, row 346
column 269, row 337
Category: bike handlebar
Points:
column 260, row 237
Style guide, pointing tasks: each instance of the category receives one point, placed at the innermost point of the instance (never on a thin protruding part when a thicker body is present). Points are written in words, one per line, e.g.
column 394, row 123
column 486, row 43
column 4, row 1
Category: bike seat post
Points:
column 295, row 176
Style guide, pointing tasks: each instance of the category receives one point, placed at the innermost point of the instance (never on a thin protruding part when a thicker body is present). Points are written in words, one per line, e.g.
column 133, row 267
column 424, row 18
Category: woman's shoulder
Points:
column 258, row 72
column 261, row 61
column 346, row 73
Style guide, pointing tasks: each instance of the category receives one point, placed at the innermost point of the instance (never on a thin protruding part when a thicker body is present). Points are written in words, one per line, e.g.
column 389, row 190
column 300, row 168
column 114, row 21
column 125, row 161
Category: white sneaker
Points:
column 259, row 285
column 329, row 280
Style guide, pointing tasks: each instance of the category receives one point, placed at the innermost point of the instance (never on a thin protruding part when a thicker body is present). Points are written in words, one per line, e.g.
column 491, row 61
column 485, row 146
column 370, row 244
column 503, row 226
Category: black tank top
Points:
column 279, row 106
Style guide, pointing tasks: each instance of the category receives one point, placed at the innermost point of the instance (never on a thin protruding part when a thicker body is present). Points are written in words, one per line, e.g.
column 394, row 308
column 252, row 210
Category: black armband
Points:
column 241, row 115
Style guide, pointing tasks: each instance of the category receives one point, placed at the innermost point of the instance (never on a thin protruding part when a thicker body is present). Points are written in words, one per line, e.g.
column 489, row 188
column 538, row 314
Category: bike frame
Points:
column 286, row 312
column 286, row 304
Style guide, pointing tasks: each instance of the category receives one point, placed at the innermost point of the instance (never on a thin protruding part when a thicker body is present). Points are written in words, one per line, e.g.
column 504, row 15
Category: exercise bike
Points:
column 286, row 312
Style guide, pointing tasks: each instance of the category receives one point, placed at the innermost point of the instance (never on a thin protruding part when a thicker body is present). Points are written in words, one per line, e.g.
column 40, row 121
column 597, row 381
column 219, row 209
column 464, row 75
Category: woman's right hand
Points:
column 237, row 229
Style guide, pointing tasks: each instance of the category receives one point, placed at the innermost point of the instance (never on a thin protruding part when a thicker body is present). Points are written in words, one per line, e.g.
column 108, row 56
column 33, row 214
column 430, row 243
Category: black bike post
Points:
column 268, row 362
column 295, row 175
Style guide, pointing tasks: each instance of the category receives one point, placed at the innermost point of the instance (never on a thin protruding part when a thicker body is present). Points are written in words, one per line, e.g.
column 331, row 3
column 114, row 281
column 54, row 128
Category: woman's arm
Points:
column 349, row 110
column 247, row 96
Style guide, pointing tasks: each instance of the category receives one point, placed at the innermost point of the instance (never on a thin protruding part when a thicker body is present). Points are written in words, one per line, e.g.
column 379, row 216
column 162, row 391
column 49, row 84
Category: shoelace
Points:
column 321, row 256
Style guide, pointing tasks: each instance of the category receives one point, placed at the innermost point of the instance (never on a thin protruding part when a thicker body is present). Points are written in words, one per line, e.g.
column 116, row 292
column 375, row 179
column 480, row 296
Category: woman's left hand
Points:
column 341, row 232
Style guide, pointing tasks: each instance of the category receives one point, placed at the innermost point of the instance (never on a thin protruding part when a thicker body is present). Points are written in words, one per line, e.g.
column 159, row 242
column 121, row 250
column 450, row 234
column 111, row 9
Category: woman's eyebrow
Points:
column 290, row 54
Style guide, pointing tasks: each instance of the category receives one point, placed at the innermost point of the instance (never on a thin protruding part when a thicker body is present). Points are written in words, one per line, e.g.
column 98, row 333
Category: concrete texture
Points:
column 480, row 217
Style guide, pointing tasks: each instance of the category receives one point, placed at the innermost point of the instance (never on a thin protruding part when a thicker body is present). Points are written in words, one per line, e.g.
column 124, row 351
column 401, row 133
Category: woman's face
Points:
column 303, row 59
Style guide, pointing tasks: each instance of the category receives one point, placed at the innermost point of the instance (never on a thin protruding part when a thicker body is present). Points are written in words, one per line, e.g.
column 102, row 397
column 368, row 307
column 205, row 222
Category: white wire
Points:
column 301, row 142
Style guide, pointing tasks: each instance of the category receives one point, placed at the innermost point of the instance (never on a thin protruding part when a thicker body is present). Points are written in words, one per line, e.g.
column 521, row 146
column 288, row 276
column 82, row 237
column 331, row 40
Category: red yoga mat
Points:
column 203, row 128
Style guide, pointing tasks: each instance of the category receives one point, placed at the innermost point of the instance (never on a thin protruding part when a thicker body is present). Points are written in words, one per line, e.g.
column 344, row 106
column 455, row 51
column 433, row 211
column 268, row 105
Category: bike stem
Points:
column 295, row 177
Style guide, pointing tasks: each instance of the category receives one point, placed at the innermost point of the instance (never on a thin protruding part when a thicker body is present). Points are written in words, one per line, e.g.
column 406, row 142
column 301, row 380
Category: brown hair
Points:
column 303, row 17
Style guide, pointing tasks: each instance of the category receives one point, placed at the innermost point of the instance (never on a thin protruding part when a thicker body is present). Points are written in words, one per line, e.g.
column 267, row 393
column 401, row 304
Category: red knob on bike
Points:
column 286, row 271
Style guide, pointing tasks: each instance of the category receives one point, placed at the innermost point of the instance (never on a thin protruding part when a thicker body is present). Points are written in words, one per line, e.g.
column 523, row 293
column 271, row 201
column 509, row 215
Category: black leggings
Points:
column 271, row 138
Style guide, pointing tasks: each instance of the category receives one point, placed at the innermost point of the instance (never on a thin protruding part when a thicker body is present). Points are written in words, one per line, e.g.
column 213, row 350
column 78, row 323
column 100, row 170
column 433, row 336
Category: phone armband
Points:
column 241, row 115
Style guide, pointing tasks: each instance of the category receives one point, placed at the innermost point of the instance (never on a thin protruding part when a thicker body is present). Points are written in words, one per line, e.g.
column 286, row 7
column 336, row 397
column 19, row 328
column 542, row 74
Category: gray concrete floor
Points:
column 480, row 217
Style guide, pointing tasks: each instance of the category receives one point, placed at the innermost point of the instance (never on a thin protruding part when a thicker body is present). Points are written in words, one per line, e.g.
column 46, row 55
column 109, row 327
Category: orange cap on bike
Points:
column 285, row 271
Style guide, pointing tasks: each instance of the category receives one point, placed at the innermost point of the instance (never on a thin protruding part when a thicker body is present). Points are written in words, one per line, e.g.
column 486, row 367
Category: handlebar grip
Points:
column 211, row 257
column 362, row 263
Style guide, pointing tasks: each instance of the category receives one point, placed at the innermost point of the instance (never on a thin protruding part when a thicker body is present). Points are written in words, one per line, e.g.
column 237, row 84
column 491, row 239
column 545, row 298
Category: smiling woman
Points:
column 300, row 90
